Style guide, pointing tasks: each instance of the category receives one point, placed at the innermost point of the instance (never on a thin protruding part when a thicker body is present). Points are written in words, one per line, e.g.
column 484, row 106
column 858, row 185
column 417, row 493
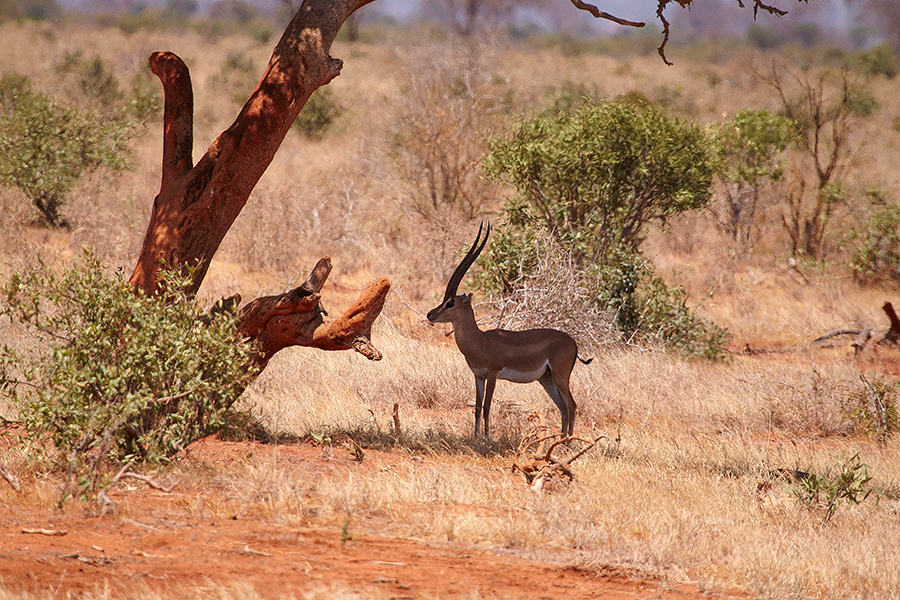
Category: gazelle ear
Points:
column 467, row 298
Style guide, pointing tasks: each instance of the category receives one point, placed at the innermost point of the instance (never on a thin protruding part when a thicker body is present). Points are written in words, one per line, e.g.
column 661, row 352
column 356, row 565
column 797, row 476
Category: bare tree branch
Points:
column 661, row 6
column 599, row 14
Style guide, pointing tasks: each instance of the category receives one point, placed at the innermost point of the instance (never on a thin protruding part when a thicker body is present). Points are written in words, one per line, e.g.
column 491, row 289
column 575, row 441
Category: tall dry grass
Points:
column 671, row 492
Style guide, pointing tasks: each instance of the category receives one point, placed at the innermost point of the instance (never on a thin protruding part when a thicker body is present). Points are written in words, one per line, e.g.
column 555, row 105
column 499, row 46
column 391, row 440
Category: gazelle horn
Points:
column 466, row 262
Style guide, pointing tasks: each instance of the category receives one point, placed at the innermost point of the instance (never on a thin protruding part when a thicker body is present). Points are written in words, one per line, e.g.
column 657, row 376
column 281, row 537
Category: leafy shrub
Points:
column 116, row 376
column 588, row 181
column 862, row 103
column 873, row 409
column 621, row 299
column 748, row 149
column 144, row 99
column 93, row 78
column 596, row 178
column 825, row 491
column 318, row 114
column 876, row 256
column 649, row 312
column 879, row 60
column 45, row 147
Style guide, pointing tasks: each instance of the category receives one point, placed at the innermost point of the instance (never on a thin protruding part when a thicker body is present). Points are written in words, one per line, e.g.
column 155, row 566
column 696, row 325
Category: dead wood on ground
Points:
column 535, row 459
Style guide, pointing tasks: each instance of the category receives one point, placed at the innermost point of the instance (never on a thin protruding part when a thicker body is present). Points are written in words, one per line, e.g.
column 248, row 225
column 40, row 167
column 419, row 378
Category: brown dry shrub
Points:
column 556, row 294
column 450, row 108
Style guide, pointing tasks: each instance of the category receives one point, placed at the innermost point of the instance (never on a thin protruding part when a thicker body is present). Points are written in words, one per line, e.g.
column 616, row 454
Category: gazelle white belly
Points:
column 523, row 376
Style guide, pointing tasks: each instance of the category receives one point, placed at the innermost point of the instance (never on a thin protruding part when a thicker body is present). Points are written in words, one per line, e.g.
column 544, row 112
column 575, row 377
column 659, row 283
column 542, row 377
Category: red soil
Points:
column 152, row 542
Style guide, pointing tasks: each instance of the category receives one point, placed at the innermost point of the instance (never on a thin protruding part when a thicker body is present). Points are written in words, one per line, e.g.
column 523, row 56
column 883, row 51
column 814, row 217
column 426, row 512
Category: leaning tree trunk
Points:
column 197, row 204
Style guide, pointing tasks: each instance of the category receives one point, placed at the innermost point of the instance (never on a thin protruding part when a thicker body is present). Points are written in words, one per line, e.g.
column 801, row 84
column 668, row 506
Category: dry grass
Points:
column 672, row 492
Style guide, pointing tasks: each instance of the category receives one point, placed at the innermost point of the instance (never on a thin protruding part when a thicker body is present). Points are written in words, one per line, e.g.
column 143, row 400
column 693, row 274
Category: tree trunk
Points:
column 197, row 204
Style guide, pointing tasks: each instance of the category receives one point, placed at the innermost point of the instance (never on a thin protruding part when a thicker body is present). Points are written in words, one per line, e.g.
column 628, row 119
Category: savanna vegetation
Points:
column 694, row 226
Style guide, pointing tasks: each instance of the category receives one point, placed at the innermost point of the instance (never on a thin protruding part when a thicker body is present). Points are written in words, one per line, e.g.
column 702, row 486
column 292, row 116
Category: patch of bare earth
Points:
column 155, row 542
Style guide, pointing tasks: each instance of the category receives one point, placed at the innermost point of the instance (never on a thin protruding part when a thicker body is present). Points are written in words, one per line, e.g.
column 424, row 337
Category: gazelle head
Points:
column 447, row 309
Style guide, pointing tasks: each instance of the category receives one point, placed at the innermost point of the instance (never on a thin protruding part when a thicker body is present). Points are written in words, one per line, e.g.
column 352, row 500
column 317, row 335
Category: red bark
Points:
column 197, row 204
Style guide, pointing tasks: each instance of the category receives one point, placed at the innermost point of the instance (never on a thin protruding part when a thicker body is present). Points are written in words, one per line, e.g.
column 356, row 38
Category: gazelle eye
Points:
column 449, row 303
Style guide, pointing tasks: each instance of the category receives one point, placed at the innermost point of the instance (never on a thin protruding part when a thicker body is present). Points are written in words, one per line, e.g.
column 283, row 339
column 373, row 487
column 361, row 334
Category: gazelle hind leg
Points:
column 562, row 399
column 562, row 384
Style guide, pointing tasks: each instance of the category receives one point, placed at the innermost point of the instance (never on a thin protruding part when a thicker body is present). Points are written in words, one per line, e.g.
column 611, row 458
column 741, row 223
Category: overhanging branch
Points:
column 296, row 318
column 661, row 5
column 600, row 14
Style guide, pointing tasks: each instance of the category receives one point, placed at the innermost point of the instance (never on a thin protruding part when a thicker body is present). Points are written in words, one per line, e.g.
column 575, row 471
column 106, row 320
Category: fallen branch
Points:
column 861, row 340
column 42, row 531
column 107, row 504
column 867, row 338
column 538, row 464
column 152, row 482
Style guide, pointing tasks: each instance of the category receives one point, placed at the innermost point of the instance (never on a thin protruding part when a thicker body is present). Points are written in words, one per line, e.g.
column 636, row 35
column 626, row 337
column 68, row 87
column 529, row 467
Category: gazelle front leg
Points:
column 479, row 399
column 490, row 382
column 563, row 400
column 484, row 391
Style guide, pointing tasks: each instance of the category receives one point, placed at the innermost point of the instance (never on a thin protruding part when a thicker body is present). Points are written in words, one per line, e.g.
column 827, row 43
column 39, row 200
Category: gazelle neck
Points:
column 465, row 329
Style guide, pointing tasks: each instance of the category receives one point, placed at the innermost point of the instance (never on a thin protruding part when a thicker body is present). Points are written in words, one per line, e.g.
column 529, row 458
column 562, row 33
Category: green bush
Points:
column 116, row 377
column 649, row 312
column 318, row 114
column 45, row 147
column 748, row 151
column 876, row 254
column 880, row 60
column 91, row 82
column 93, row 78
column 589, row 180
column 862, row 103
column 596, row 178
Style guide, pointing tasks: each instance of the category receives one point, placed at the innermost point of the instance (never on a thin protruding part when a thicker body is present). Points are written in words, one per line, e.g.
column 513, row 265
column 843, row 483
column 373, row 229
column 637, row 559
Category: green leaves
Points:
column 748, row 146
column 117, row 376
column 596, row 177
column 590, row 176
column 46, row 147
column 826, row 491
column 748, row 152
column 876, row 253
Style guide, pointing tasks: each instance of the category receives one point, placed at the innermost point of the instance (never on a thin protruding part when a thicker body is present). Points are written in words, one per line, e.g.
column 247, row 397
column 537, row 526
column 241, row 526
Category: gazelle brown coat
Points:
column 543, row 355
